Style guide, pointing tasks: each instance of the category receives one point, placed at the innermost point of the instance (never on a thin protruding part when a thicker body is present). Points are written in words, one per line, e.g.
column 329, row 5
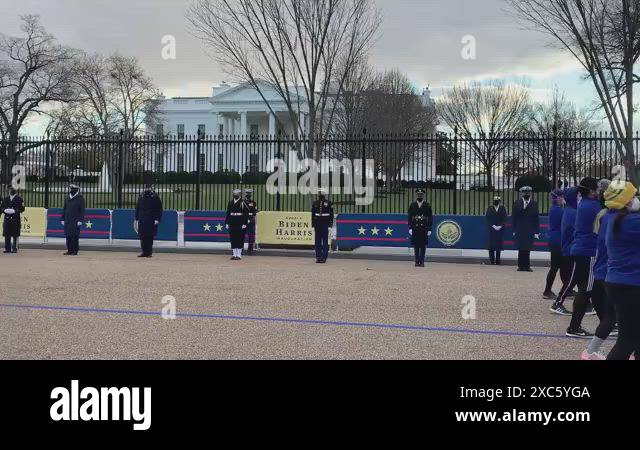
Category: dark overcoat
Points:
column 148, row 211
column 526, row 223
column 72, row 213
column 12, row 222
column 499, row 218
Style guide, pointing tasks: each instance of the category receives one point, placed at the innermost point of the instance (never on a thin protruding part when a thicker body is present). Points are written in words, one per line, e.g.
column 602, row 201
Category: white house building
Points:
column 236, row 121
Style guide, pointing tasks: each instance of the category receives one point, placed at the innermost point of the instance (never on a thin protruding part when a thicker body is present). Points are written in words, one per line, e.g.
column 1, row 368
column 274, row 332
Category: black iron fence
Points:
column 367, row 173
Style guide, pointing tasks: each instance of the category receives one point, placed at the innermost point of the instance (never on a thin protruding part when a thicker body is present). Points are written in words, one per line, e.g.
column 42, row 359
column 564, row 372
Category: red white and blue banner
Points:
column 392, row 230
column 96, row 225
column 205, row 226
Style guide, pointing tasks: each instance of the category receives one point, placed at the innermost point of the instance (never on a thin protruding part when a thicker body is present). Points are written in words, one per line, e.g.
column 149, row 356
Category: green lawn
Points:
column 215, row 197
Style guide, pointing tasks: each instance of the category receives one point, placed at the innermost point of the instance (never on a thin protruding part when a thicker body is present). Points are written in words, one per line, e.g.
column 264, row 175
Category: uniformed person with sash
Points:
column 236, row 223
column 72, row 218
column 12, row 207
column 252, row 206
column 496, row 217
column 420, row 220
column 322, row 221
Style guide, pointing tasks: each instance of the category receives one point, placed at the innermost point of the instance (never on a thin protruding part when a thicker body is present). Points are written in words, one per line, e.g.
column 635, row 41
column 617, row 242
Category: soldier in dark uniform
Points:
column 420, row 221
column 496, row 217
column 12, row 206
column 236, row 223
column 148, row 217
column 321, row 221
column 526, row 227
column 252, row 206
column 72, row 218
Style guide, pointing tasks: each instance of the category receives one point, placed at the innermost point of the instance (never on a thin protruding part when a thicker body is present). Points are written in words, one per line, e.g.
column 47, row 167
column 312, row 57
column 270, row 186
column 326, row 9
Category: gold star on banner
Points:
column 389, row 231
column 362, row 231
column 219, row 227
column 89, row 224
column 207, row 227
column 375, row 231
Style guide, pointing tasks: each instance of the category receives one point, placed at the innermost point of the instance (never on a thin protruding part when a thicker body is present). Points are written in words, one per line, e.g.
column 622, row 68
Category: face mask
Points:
column 73, row 191
column 496, row 202
column 420, row 199
column 526, row 196
column 321, row 197
column 635, row 205
column 236, row 197
column 12, row 192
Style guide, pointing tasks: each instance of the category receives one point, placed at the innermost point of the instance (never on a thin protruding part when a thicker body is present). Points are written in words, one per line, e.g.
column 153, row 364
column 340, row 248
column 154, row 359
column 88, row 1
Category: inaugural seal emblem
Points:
column 449, row 233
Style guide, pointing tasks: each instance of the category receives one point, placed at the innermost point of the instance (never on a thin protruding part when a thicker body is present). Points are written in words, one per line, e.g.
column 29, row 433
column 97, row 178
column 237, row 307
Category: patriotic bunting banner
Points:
column 123, row 225
column 392, row 230
column 96, row 225
column 205, row 226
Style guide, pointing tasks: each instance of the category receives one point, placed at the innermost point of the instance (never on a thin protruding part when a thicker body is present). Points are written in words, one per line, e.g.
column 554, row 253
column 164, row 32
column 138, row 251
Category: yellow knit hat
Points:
column 619, row 194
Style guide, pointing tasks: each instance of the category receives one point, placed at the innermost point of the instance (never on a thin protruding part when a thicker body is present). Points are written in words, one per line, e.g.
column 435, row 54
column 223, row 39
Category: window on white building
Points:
column 253, row 163
column 180, row 131
column 255, row 131
column 202, row 162
column 202, row 129
column 221, row 130
column 159, row 130
column 160, row 162
column 220, row 162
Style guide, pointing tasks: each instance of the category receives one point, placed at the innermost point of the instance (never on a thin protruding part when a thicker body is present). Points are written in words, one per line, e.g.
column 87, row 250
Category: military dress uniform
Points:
column 236, row 222
column 148, row 216
column 420, row 221
column 321, row 221
column 72, row 218
column 12, row 207
column 252, row 207
column 526, row 227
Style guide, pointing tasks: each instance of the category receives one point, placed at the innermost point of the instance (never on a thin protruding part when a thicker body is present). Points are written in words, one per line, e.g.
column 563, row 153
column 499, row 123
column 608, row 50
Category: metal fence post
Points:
column 279, row 156
column 47, row 171
column 364, row 164
column 554, row 156
column 120, row 168
column 455, row 171
column 198, row 169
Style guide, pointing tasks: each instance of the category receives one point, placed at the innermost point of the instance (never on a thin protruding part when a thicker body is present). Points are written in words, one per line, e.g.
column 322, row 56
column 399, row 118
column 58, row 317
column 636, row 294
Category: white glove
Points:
column 135, row 225
column 514, row 235
column 9, row 211
column 62, row 222
column 244, row 227
column 79, row 224
column 410, row 232
column 226, row 227
column 428, row 233
column 155, row 222
column 537, row 236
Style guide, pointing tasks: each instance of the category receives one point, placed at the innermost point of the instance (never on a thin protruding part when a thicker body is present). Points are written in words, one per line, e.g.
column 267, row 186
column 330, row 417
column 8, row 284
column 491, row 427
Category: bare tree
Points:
column 303, row 49
column 485, row 115
column 34, row 70
column 559, row 121
column 604, row 37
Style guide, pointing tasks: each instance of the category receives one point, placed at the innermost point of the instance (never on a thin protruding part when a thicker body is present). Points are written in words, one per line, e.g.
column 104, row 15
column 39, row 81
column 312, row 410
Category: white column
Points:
column 243, row 123
column 216, row 125
column 272, row 124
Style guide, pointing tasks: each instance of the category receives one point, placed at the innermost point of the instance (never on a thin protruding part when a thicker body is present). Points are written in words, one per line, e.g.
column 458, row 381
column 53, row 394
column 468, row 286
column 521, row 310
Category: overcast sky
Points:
column 420, row 37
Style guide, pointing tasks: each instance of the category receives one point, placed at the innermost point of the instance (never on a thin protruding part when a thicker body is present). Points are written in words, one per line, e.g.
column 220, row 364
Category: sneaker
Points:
column 586, row 356
column 590, row 311
column 579, row 333
column 559, row 310
column 549, row 295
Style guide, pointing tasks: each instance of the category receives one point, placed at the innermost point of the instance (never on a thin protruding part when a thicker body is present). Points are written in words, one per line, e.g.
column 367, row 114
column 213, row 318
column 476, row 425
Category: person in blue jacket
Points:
column 583, row 254
column 622, row 283
column 72, row 219
column 148, row 217
column 555, row 243
column 603, row 306
column 525, row 219
column 567, row 230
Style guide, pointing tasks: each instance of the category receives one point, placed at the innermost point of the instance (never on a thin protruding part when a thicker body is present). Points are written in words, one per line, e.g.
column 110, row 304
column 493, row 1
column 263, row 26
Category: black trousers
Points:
column 146, row 244
column 494, row 256
column 605, row 309
column 419, row 252
column 524, row 259
column 73, row 244
column 556, row 265
column 581, row 276
column 626, row 300
column 236, row 234
column 10, row 243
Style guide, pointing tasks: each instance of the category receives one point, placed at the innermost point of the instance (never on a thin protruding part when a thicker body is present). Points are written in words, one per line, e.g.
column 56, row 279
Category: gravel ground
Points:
column 417, row 312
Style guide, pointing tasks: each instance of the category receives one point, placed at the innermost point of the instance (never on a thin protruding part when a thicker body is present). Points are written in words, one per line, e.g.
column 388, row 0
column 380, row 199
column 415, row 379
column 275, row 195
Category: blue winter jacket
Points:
column 623, row 249
column 569, row 220
column 584, row 239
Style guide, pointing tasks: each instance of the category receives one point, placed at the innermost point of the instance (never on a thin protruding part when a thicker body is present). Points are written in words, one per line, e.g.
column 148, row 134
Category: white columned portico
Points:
column 243, row 123
column 272, row 124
